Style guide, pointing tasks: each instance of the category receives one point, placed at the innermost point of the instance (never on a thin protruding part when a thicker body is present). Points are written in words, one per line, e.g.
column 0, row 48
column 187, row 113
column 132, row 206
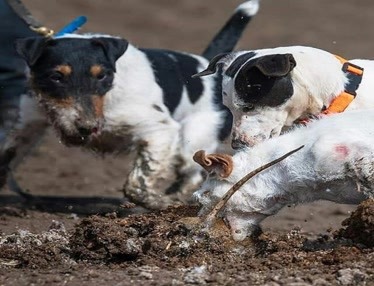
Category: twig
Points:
column 210, row 218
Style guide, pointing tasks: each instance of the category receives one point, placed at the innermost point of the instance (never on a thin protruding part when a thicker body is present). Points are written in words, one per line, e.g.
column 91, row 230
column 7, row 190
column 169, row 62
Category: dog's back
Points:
column 184, row 95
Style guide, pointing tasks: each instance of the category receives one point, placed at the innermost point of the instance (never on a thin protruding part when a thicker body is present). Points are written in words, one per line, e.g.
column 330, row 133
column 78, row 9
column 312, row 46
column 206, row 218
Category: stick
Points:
column 210, row 218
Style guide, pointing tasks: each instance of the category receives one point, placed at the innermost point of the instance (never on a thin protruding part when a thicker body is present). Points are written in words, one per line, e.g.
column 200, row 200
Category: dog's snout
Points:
column 238, row 144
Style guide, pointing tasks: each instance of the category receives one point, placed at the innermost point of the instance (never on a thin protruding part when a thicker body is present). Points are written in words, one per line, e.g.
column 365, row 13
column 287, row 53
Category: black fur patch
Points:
column 173, row 71
column 276, row 65
column 228, row 36
column 225, row 129
column 256, row 88
column 238, row 63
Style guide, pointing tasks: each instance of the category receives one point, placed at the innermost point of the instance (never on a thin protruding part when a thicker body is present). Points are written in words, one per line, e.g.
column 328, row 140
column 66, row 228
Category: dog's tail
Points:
column 229, row 35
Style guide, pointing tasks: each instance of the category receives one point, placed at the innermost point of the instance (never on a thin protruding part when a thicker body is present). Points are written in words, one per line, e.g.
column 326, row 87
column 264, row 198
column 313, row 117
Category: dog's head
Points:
column 256, row 89
column 71, row 76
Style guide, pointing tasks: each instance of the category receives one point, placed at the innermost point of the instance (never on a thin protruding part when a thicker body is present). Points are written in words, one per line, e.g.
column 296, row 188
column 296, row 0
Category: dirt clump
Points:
column 359, row 227
column 166, row 240
column 169, row 246
column 24, row 249
column 162, row 238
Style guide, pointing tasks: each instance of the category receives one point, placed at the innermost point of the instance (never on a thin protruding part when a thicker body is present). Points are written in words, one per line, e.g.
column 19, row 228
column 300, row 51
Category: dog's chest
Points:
column 111, row 142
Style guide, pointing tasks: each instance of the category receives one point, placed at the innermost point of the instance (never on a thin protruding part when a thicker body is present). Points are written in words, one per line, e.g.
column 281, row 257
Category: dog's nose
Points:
column 238, row 144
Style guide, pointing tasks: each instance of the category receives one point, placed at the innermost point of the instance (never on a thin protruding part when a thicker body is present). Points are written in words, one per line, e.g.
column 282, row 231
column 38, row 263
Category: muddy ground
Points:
column 300, row 246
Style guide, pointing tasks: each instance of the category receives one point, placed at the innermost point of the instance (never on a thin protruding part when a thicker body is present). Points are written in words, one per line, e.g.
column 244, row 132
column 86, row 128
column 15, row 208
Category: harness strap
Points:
column 37, row 27
column 26, row 16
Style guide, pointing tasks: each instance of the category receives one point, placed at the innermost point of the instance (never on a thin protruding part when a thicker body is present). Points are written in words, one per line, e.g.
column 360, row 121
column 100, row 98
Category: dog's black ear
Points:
column 31, row 48
column 113, row 48
column 276, row 65
column 212, row 66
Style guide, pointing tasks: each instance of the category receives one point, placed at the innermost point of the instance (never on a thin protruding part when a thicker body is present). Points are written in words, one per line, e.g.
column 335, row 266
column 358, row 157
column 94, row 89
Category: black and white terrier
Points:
column 267, row 90
column 101, row 92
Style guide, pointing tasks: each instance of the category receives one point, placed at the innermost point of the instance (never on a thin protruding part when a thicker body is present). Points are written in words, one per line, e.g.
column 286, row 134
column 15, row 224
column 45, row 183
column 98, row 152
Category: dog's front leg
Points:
column 155, row 164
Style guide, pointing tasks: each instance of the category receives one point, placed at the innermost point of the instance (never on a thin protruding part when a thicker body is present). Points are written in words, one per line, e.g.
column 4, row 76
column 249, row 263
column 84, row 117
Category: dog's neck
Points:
column 134, row 76
column 317, row 79
column 131, row 67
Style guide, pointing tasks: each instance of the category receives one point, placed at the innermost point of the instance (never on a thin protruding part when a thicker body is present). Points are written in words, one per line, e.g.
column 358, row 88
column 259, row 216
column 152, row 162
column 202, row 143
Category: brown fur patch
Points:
column 67, row 102
column 64, row 69
column 98, row 103
column 96, row 70
column 64, row 103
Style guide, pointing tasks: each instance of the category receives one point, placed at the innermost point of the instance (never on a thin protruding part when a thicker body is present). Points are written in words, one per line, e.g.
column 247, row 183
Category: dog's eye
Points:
column 101, row 76
column 104, row 75
column 56, row 77
column 248, row 108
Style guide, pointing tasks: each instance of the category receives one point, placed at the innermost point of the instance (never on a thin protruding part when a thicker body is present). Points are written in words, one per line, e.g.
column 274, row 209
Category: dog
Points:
column 335, row 164
column 100, row 92
column 268, row 90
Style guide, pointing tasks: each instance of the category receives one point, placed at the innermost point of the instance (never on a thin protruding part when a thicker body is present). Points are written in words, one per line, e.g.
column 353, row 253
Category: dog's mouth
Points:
column 246, row 141
column 83, row 135
column 87, row 132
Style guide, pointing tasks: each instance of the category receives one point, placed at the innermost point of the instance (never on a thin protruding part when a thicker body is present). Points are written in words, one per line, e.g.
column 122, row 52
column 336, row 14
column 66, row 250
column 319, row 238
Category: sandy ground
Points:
column 340, row 26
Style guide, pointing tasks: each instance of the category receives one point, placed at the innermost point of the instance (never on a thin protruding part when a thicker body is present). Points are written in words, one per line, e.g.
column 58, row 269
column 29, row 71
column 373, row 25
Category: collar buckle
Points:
column 354, row 74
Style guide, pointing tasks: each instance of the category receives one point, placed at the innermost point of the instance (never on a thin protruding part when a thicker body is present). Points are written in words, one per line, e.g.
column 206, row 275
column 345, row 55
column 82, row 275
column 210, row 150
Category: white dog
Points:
column 336, row 164
column 269, row 89
column 103, row 93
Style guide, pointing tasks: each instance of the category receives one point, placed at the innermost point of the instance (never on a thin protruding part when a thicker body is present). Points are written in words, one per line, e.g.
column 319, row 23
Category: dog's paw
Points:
column 146, row 197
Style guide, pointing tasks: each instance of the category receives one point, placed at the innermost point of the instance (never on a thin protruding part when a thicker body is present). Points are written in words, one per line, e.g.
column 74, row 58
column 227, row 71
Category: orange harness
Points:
column 342, row 101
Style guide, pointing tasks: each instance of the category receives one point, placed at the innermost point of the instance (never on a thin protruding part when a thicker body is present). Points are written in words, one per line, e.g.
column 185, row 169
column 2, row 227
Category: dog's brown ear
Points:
column 220, row 164
column 30, row 49
column 212, row 66
column 113, row 47
column 276, row 65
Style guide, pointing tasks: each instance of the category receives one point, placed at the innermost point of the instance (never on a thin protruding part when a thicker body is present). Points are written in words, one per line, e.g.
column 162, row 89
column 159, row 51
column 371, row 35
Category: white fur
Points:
column 317, row 79
column 335, row 165
column 249, row 7
column 167, row 137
